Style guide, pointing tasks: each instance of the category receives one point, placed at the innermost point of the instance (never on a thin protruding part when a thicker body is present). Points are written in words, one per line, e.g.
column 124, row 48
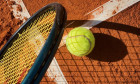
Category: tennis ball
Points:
column 80, row 41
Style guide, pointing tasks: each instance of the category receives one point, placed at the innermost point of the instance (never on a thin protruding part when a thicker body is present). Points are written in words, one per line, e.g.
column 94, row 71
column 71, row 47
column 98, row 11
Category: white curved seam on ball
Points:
column 86, row 38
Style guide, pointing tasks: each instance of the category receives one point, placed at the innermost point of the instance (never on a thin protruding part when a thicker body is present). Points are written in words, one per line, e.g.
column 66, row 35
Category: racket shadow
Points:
column 107, row 48
column 107, row 25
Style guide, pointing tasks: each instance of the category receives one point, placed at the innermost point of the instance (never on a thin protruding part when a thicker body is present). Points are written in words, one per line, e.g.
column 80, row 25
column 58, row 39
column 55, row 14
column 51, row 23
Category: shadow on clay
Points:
column 107, row 48
column 107, row 25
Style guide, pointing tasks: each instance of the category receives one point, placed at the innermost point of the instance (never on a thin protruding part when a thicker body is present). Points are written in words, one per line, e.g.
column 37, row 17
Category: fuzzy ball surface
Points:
column 80, row 41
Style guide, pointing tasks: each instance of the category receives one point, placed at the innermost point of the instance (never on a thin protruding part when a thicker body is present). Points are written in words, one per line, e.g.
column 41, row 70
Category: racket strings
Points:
column 19, row 58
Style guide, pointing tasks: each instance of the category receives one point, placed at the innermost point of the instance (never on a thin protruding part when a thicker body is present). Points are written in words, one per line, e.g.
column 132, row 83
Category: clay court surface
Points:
column 116, row 56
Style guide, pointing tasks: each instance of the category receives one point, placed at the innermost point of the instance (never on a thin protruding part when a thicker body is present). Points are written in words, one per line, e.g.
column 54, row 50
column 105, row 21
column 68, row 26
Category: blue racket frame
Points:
column 50, row 47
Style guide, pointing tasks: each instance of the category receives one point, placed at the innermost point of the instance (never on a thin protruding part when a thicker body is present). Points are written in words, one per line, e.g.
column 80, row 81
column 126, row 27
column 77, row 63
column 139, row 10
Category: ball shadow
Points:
column 108, row 48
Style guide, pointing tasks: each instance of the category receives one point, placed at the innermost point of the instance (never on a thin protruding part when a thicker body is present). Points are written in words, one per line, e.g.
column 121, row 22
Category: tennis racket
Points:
column 28, row 53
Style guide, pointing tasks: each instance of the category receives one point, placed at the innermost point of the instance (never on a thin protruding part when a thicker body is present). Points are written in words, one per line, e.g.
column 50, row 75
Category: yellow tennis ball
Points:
column 80, row 41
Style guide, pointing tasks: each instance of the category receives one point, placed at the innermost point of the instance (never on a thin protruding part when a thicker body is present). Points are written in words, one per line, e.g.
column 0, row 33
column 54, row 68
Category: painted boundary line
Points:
column 98, row 15
column 102, row 13
column 54, row 70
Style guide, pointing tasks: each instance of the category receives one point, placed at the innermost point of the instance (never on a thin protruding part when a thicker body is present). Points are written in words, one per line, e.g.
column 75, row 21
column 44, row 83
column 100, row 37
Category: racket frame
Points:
column 50, row 47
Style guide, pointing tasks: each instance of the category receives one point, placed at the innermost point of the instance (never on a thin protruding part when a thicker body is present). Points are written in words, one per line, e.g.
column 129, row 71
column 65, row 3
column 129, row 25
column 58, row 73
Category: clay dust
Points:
column 89, row 69
column 8, row 23
column 116, row 60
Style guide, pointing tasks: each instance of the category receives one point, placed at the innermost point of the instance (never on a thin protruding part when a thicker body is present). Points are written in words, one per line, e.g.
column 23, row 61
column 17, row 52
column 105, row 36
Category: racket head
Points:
column 48, row 49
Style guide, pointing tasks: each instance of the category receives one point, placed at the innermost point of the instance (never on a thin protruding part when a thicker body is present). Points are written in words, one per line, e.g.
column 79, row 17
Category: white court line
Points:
column 108, row 9
column 23, row 13
column 100, row 14
column 103, row 13
column 54, row 70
